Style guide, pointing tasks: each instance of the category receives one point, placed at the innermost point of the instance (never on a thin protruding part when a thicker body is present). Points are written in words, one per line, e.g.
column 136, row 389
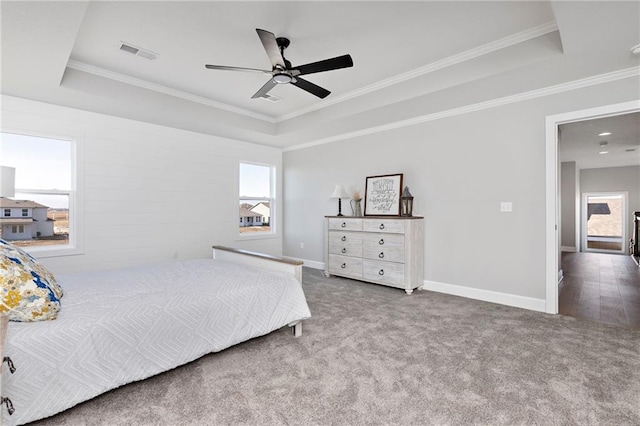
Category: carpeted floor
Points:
column 374, row 355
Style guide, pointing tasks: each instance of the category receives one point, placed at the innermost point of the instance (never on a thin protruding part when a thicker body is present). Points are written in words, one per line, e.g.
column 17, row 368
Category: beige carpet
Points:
column 374, row 355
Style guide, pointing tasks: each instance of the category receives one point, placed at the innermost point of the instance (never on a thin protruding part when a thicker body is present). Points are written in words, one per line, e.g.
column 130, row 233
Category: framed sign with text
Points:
column 382, row 195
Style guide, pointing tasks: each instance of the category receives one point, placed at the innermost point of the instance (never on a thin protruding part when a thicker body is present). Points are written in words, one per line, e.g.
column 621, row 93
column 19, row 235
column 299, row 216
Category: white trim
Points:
column 524, row 96
column 310, row 263
column 568, row 249
column 467, row 55
column 551, row 199
column 91, row 69
column 486, row 295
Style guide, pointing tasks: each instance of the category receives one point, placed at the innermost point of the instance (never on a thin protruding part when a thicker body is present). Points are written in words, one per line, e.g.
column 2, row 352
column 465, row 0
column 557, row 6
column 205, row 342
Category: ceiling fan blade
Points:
column 271, row 47
column 311, row 88
column 344, row 61
column 265, row 89
column 225, row 68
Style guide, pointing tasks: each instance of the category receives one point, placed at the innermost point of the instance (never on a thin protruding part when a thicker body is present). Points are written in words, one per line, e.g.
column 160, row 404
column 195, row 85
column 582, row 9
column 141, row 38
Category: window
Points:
column 45, row 193
column 7, row 212
column 256, row 199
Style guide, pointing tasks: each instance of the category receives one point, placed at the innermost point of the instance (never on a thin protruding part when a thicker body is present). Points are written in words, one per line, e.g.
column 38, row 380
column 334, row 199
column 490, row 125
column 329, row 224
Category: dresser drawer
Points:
column 344, row 265
column 388, row 247
column 383, row 272
column 383, row 225
column 346, row 224
column 345, row 243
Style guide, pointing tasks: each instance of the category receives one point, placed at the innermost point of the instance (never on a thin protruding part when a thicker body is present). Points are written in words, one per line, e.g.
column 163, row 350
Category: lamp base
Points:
column 340, row 207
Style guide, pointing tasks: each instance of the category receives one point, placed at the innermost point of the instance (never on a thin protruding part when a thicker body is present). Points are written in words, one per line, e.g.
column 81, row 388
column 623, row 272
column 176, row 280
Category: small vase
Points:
column 356, row 207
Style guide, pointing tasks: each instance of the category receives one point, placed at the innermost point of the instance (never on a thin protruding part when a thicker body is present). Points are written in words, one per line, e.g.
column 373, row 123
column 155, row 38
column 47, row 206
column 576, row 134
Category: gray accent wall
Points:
column 459, row 169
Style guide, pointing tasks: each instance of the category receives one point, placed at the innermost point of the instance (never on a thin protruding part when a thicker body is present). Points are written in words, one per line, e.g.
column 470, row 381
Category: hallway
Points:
column 601, row 287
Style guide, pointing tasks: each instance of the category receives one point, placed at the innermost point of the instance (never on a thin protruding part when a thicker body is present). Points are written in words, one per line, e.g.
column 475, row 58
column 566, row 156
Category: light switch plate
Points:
column 506, row 206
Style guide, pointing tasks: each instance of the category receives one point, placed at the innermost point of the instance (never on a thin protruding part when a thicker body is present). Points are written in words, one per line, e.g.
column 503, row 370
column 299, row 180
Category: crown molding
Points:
column 524, row 96
column 467, row 55
column 91, row 69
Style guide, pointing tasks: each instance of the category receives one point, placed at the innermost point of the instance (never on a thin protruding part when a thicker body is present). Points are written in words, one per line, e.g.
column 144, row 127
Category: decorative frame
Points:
column 382, row 195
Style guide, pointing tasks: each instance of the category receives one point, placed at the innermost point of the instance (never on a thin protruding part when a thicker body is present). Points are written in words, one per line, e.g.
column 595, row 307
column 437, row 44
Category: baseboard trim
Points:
column 486, row 295
column 568, row 249
column 311, row 263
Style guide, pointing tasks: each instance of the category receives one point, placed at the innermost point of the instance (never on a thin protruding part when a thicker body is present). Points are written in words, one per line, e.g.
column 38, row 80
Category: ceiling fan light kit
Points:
column 283, row 73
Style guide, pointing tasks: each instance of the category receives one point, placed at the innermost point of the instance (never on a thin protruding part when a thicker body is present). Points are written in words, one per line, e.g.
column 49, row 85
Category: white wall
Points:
column 615, row 179
column 459, row 169
column 151, row 193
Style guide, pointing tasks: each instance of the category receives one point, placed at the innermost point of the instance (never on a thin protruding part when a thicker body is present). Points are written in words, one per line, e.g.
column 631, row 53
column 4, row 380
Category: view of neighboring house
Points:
column 248, row 217
column 24, row 220
column 264, row 209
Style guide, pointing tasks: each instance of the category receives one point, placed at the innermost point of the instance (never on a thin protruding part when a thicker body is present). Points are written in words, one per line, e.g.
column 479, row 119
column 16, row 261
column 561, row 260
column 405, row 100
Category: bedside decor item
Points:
column 339, row 193
column 356, row 203
column 407, row 203
column 382, row 195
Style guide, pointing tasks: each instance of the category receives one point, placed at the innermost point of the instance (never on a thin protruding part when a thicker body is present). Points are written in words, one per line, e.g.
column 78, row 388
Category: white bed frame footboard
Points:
column 261, row 260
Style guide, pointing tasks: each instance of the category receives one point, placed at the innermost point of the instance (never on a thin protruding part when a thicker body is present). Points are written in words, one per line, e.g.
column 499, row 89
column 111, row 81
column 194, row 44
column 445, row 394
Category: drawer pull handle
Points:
column 381, row 272
column 344, row 238
column 344, row 265
column 7, row 402
column 344, row 249
column 382, row 226
column 381, row 242
column 344, row 224
column 381, row 255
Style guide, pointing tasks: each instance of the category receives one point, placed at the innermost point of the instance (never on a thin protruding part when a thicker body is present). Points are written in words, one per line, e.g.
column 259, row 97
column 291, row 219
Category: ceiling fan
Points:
column 283, row 73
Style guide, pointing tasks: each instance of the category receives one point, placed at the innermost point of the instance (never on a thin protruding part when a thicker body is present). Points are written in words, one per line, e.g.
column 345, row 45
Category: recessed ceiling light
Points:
column 604, row 134
column 603, row 152
column 636, row 49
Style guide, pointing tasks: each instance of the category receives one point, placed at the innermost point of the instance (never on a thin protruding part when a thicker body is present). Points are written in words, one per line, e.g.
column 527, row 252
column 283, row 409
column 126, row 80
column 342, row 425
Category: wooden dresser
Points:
column 387, row 250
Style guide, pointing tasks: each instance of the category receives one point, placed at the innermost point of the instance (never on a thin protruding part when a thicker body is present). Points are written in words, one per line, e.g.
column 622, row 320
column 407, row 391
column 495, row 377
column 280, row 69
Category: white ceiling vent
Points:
column 269, row 97
column 138, row 51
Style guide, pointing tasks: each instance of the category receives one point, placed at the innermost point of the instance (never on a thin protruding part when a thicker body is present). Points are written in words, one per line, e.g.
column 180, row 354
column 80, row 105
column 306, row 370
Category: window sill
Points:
column 43, row 252
column 252, row 236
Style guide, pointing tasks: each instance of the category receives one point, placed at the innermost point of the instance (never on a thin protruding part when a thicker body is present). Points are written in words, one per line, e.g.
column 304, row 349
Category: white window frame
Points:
column 624, row 247
column 272, row 233
column 75, row 245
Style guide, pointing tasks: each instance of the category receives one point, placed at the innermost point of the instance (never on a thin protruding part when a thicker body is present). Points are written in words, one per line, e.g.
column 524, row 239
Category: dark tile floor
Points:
column 601, row 287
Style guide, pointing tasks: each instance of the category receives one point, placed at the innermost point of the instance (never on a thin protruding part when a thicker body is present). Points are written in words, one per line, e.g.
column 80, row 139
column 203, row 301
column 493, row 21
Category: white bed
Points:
column 120, row 326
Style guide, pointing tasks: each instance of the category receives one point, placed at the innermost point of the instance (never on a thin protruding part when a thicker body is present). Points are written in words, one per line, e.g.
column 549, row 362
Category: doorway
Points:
column 604, row 222
column 553, row 273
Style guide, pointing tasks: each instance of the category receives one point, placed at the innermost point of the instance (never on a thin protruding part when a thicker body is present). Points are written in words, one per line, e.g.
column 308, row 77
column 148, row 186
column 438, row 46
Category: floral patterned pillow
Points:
column 28, row 291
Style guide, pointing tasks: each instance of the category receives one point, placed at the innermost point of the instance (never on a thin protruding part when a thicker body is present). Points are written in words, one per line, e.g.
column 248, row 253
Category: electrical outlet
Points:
column 506, row 206
column 301, row 245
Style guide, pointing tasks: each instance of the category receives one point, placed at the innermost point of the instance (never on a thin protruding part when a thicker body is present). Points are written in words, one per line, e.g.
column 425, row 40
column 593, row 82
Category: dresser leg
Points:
column 408, row 291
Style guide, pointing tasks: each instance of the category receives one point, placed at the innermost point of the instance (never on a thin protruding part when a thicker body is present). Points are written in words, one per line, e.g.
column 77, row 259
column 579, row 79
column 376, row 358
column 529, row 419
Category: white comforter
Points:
column 120, row 326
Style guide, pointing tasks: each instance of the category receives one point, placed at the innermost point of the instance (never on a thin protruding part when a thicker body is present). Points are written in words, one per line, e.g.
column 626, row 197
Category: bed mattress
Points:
column 120, row 326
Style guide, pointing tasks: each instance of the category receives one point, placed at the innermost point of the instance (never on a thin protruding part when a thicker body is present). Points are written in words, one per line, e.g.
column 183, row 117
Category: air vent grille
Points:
column 134, row 50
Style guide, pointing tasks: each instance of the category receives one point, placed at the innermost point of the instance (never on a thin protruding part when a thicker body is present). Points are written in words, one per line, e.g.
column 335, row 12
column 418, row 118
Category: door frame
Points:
column 583, row 221
column 552, row 209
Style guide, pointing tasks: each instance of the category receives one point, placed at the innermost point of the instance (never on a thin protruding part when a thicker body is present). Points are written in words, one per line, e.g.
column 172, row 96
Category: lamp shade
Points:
column 7, row 181
column 339, row 192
